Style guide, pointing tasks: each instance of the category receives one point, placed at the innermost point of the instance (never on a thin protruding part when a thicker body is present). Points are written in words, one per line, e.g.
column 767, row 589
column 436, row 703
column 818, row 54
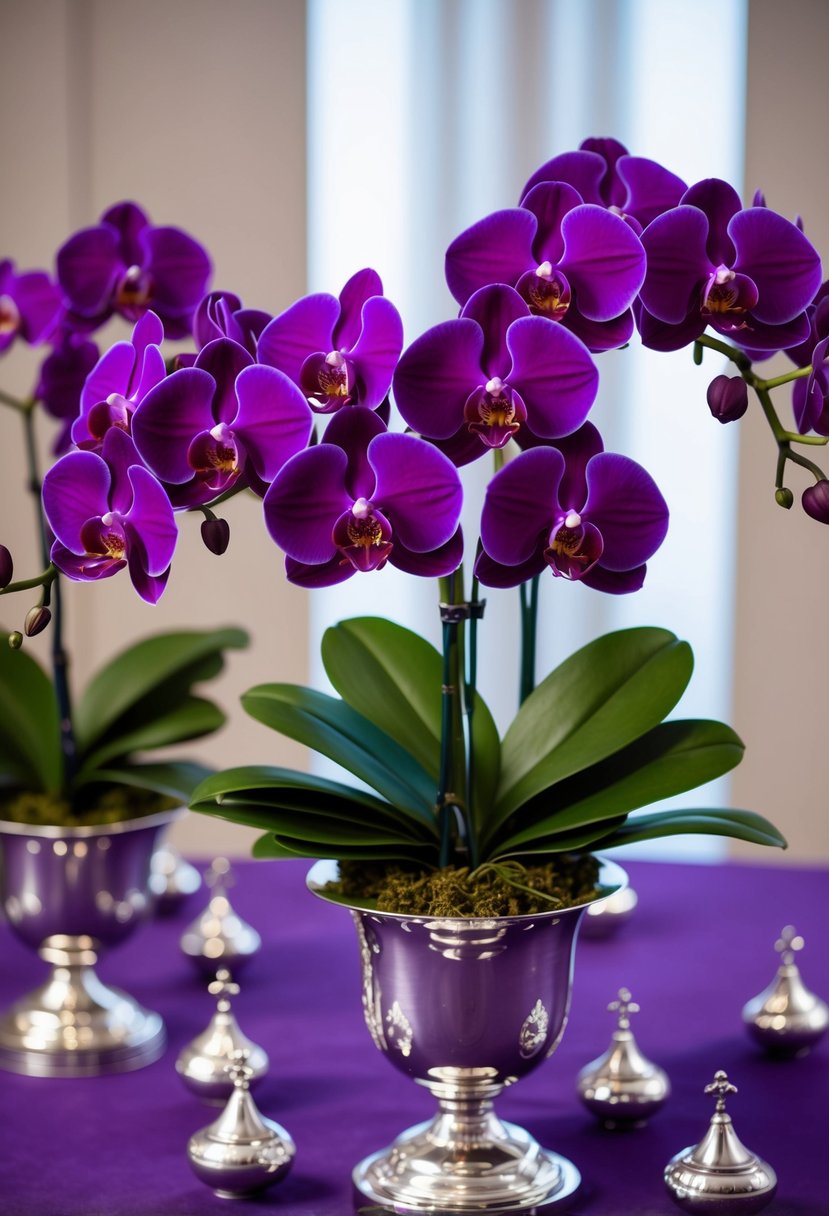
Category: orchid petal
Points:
column 325, row 574
column 625, row 504
column 495, row 308
column 418, row 487
column 84, row 566
column 304, row 329
column 436, row 374
column 498, row 249
column 168, row 419
column 75, row 489
column 353, row 429
column 301, row 522
column 604, row 261
column 615, row 582
column 223, row 359
column 150, row 587
column 554, row 374
column 584, row 170
column 151, row 517
column 274, row 420
column 88, row 268
column 494, row 574
column 651, row 189
column 180, row 270
column 129, row 221
column 357, row 291
column 675, row 245
column 435, row 564
column 119, row 452
column 599, row 335
column 520, row 503
column 720, row 202
column 780, row 260
column 377, row 350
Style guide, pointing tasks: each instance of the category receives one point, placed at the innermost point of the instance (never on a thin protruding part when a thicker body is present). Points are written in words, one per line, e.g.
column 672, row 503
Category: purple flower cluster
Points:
column 297, row 407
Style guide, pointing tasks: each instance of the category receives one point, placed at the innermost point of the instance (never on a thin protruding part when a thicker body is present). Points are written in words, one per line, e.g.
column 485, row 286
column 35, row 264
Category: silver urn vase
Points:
column 466, row 1007
column 70, row 893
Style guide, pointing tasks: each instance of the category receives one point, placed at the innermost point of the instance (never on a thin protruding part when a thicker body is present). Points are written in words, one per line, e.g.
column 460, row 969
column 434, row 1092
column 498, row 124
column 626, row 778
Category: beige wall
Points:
column 104, row 100
column 781, row 662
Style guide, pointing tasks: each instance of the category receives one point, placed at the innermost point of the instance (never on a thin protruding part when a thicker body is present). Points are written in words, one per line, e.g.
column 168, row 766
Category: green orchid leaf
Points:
column 264, row 797
column 603, row 697
column 670, row 759
column 29, row 725
column 175, row 779
column 561, row 842
column 334, row 729
column 392, row 677
column 190, row 719
column 740, row 825
column 147, row 678
column 485, row 765
column 282, row 847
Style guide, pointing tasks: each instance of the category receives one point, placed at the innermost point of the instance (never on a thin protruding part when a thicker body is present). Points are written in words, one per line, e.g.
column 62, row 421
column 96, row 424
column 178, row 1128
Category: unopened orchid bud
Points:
column 37, row 619
column 216, row 535
column 6, row 566
column 16, row 640
column 783, row 497
column 815, row 501
column 727, row 398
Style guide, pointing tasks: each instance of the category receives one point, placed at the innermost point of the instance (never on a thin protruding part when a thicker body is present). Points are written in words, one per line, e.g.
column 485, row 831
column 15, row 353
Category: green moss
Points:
column 508, row 888
column 112, row 805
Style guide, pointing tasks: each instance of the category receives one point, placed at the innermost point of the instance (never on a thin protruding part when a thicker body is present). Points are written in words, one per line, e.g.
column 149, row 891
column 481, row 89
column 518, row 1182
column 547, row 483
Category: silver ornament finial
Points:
column 720, row 1174
column 224, row 987
column 786, row 1018
column 239, row 1069
column 623, row 1088
column 219, row 938
column 203, row 1064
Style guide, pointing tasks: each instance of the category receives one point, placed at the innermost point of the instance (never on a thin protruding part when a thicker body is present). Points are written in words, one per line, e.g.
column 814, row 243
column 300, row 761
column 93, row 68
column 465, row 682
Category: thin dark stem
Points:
column 529, row 633
column 452, row 775
column 60, row 662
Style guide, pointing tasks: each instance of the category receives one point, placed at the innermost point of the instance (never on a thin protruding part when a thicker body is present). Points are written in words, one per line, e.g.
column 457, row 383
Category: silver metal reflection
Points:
column 219, row 937
column 172, row 879
column 242, row 1153
column 622, row 1087
column 605, row 916
column 786, row 1018
column 71, row 893
column 203, row 1063
column 465, row 1008
column 720, row 1175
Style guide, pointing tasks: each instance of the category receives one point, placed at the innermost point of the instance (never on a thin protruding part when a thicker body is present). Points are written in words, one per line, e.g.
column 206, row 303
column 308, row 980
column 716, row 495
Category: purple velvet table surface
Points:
column 700, row 944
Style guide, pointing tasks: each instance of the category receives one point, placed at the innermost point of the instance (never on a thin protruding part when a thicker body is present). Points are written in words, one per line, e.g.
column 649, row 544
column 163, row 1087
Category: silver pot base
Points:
column 75, row 1026
column 428, row 1170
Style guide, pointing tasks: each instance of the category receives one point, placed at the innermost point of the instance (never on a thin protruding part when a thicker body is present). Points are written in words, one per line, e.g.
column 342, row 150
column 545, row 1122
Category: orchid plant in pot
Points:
column 454, row 843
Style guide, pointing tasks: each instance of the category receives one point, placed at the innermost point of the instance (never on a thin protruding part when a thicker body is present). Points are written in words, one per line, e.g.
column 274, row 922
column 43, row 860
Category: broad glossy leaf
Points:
column 672, row 758
column 278, row 846
column 175, row 779
column 267, row 797
column 29, row 721
column 603, row 697
column 486, row 765
column 153, row 674
column 391, row 676
column 561, row 842
column 741, row 825
column 191, row 719
column 334, row 729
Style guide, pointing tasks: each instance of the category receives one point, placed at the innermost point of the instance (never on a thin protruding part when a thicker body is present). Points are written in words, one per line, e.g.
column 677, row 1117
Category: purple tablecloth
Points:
column 700, row 945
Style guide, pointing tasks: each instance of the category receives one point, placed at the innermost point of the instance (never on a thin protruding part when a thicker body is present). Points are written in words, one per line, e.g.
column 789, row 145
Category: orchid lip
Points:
column 9, row 315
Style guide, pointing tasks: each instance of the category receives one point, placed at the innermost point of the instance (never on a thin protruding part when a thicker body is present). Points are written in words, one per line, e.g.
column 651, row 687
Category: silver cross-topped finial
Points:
column 721, row 1086
column 238, row 1068
column 224, row 987
column 624, row 1006
column 787, row 944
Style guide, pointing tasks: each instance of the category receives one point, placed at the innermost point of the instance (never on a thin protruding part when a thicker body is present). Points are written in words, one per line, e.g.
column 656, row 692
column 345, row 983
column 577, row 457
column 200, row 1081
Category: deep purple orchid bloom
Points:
column 30, row 306
column 225, row 422
column 604, row 173
column 573, row 262
column 338, row 351
column 748, row 273
column 496, row 372
column 810, row 397
column 589, row 515
column 107, row 511
column 364, row 497
column 221, row 315
column 63, row 374
column 120, row 379
column 127, row 265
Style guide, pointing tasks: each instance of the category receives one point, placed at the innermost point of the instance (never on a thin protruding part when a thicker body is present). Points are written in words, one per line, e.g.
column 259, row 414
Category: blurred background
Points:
column 300, row 140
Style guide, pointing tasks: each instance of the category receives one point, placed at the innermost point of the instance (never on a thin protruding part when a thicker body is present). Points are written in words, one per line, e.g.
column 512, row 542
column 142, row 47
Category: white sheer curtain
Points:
column 426, row 114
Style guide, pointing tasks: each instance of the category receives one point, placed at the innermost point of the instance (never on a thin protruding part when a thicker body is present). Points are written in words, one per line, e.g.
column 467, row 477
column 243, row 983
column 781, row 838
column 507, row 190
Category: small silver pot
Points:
column 466, row 1007
column 70, row 892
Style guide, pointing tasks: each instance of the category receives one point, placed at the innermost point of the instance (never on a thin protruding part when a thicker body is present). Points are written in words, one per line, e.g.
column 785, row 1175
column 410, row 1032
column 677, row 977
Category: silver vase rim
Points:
column 611, row 878
column 56, row 831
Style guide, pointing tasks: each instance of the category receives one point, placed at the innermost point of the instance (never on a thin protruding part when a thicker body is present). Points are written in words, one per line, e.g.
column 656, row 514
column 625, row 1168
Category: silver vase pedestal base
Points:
column 430, row 1169
column 74, row 1025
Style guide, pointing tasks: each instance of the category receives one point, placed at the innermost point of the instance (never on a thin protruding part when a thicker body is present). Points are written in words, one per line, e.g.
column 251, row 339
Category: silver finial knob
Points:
column 623, row 1088
column 219, row 937
column 203, row 1063
column 786, row 1018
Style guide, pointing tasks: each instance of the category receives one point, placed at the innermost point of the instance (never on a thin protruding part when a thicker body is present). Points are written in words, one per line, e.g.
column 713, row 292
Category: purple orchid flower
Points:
column 496, row 372
column 127, row 265
column 604, row 173
column 107, row 511
column 748, row 273
column 221, row 315
column 572, row 262
column 338, row 351
column 364, row 497
column 30, row 306
column 225, row 422
column 589, row 515
column 120, row 379
column 810, row 397
column 63, row 374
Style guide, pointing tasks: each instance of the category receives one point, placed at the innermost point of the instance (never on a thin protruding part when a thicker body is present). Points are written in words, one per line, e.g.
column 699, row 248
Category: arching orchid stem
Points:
column 799, row 373
column 15, row 403
column 736, row 356
column 805, row 463
column 529, row 631
column 60, row 663
column 45, row 579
